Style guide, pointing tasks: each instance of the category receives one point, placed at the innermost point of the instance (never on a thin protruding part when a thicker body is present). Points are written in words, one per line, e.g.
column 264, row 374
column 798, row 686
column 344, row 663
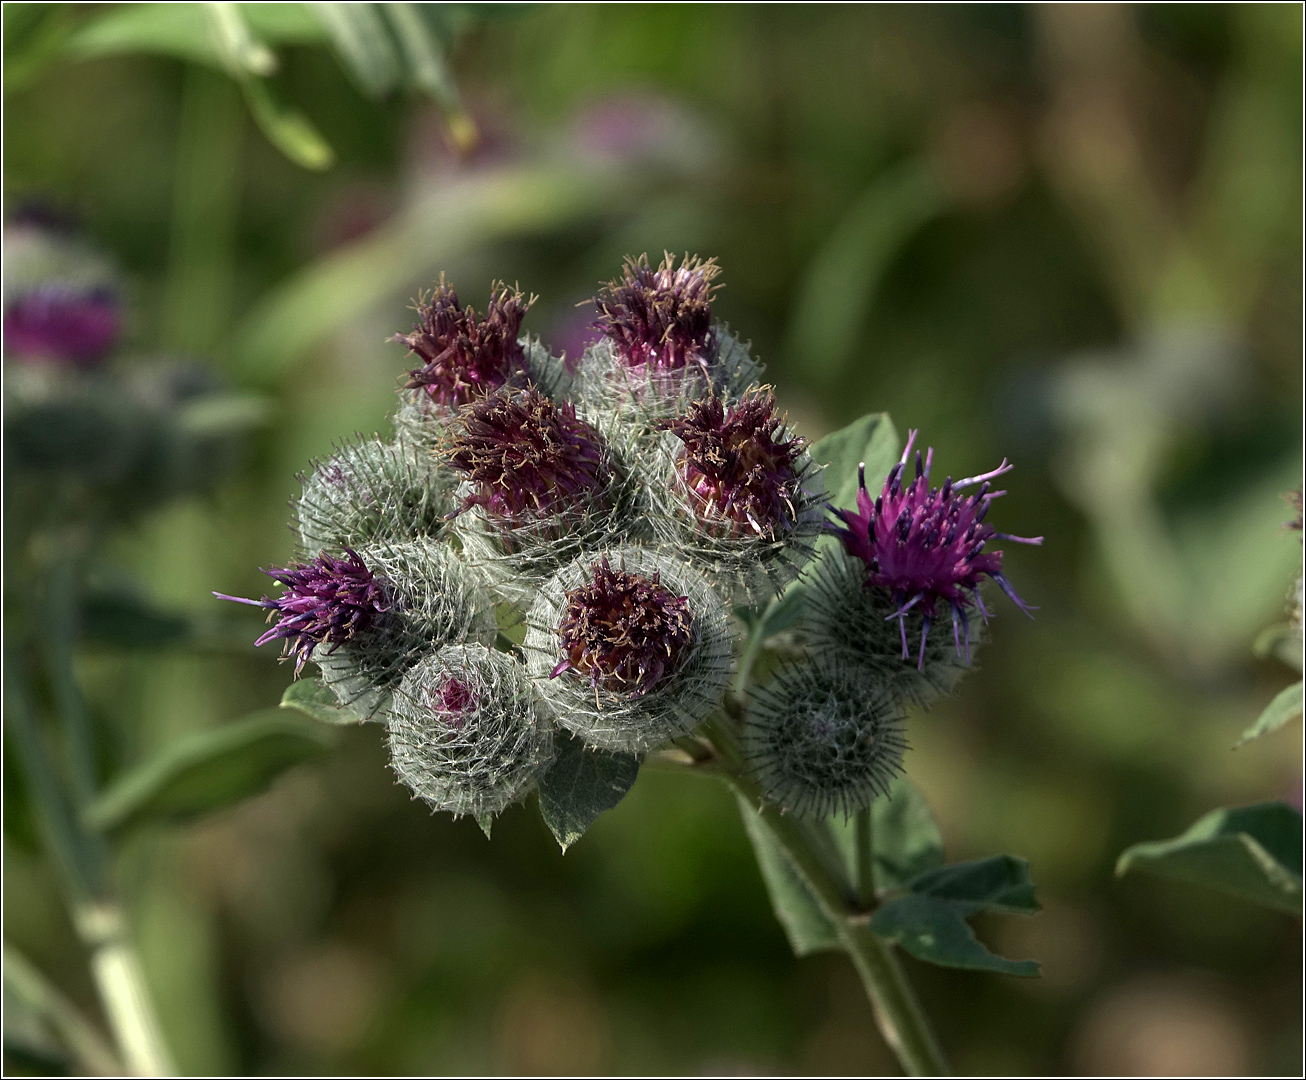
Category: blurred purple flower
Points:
column 736, row 467
column 926, row 545
column 528, row 456
column 623, row 630
column 634, row 129
column 572, row 334
column 465, row 354
column 63, row 324
column 660, row 318
column 327, row 601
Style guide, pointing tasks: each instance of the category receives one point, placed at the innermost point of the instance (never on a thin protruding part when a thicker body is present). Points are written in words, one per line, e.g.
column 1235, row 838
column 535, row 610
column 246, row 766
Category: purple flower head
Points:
column 528, row 456
column 327, row 600
column 926, row 545
column 465, row 355
column 454, row 698
column 660, row 318
column 66, row 324
column 625, row 631
column 737, row 464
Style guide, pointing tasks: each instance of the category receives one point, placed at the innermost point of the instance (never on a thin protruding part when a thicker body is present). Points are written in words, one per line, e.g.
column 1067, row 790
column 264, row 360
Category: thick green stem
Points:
column 898, row 1014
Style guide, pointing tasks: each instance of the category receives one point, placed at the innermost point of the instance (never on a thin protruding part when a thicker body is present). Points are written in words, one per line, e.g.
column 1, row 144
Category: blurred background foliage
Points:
column 1068, row 234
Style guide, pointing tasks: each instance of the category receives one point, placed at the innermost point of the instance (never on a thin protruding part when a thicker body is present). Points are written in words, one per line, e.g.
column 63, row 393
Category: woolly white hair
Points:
column 478, row 758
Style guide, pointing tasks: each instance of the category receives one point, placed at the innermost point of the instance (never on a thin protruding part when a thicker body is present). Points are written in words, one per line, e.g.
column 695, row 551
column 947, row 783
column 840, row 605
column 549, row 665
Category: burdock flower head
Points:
column 925, row 545
column 63, row 323
column 527, row 457
column 660, row 319
column 739, row 466
column 465, row 355
column 327, row 600
column 623, row 631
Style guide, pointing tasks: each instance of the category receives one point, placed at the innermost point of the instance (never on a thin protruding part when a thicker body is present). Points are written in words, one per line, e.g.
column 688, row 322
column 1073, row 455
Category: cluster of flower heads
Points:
column 551, row 549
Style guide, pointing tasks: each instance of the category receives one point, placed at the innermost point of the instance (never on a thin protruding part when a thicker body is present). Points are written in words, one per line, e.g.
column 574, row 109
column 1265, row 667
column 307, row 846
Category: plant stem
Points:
column 898, row 1013
column 80, row 857
column 865, row 859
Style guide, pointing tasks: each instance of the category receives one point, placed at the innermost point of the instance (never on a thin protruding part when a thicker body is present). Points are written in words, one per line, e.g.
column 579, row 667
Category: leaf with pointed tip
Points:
column 1250, row 851
column 362, row 41
column 311, row 698
column 580, row 785
column 934, row 930
column 799, row 915
column 1287, row 703
column 286, row 128
column 1000, row 883
column 871, row 439
column 208, row 770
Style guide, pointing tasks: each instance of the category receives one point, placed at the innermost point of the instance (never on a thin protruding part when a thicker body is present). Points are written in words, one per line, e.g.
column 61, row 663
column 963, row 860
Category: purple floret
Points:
column 328, row 600
column 926, row 545
column 660, row 319
column 63, row 323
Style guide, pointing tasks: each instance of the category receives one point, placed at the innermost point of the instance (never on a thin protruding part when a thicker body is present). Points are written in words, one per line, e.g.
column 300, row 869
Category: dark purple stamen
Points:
column 623, row 630
column 660, row 319
column 327, row 601
column 926, row 546
column 465, row 355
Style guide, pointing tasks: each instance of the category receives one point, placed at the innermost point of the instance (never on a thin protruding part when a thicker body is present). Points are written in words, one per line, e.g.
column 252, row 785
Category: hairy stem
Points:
column 898, row 1013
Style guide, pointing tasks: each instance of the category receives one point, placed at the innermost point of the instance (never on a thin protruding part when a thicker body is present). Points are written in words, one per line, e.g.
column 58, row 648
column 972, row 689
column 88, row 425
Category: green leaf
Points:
column 1282, row 641
column 286, row 128
column 184, row 31
column 871, row 439
column 236, row 43
column 123, row 619
column 360, row 38
column 907, row 842
column 1250, row 851
column 208, row 770
column 311, row 698
column 1000, row 883
column 934, row 930
column 797, row 911
column 1287, row 703
column 581, row 784
column 841, row 281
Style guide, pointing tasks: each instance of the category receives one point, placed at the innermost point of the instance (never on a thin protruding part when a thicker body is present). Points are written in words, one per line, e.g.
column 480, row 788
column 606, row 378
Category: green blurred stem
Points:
column 865, row 859
column 898, row 1013
column 81, row 858
column 205, row 200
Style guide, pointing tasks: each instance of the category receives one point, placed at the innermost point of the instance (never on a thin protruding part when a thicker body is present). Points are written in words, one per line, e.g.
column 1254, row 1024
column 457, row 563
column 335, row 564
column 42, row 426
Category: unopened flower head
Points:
column 821, row 739
column 327, row 601
column 660, row 319
column 63, row 323
column 623, row 631
column 466, row 731
column 739, row 465
column 925, row 545
column 527, row 456
column 630, row 647
column 464, row 354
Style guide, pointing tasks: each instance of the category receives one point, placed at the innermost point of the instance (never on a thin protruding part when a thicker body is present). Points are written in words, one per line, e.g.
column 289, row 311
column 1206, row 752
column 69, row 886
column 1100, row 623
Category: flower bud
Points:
column 369, row 491
column 630, row 647
column 466, row 732
column 821, row 739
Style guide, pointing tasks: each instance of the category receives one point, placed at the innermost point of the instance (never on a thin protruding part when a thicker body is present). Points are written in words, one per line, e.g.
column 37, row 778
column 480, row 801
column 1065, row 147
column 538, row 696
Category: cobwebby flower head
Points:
column 622, row 630
column 465, row 355
column 739, row 465
column 63, row 323
column 661, row 319
column 926, row 545
column 327, row 601
column 630, row 647
column 527, row 456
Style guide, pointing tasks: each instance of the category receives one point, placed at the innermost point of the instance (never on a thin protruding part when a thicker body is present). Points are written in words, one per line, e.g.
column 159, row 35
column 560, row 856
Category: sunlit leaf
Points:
column 1287, row 703
column 311, row 698
column 871, row 439
column 1250, row 851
